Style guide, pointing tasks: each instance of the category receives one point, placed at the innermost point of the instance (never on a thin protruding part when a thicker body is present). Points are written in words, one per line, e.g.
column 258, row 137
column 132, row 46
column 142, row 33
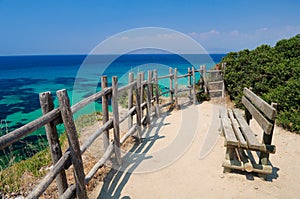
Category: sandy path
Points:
column 190, row 176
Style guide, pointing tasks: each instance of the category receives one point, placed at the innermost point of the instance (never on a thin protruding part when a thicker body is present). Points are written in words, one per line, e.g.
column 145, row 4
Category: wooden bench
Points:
column 241, row 141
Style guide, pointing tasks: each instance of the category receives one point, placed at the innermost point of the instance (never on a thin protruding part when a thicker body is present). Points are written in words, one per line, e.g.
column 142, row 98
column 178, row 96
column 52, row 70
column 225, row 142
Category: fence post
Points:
column 223, row 89
column 115, row 108
column 142, row 94
column 130, row 99
column 204, row 79
column 201, row 72
column 105, row 114
column 149, row 96
column 156, row 94
column 194, row 86
column 67, row 116
column 189, row 83
column 150, row 79
column 47, row 105
column 138, row 106
column 176, row 88
column 171, row 84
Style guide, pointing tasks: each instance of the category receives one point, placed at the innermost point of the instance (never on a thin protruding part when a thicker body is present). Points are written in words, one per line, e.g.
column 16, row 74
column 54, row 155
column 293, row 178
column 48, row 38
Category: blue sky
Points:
column 76, row 27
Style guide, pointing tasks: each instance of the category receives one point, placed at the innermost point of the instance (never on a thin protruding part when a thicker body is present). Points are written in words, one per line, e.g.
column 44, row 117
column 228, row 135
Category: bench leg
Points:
column 264, row 157
column 264, row 160
column 230, row 151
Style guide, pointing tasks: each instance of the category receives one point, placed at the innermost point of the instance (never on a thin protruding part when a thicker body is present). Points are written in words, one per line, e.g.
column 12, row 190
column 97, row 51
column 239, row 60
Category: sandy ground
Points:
column 181, row 157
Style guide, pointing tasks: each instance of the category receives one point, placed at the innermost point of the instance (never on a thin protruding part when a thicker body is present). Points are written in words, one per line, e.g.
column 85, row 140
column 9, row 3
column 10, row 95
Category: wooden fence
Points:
column 146, row 105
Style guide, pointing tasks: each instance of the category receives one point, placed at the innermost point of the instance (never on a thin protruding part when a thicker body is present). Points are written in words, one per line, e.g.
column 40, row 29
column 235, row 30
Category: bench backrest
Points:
column 262, row 112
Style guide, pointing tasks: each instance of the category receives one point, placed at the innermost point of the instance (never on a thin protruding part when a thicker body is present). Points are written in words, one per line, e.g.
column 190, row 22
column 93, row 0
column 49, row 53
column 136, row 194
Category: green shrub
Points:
column 11, row 177
column 202, row 96
column 273, row 73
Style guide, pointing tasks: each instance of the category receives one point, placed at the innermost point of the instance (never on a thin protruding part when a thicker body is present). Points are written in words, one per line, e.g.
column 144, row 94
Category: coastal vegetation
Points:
column 19, row 177
column 273, row 73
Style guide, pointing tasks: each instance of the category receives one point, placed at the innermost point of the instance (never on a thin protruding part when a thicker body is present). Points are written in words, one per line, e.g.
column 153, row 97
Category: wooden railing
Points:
column 213, row 81
column 147, row 95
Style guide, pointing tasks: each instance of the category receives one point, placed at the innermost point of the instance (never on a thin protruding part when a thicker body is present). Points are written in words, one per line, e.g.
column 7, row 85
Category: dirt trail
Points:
column 195, row 171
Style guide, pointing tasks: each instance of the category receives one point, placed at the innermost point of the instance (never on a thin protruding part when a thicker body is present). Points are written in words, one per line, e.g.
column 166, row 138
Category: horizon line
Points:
column 82, row 54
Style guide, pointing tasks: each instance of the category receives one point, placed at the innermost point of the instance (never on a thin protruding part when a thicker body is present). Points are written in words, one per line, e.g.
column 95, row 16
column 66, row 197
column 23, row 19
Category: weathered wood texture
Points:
column 151, row 82
column 138, row 107
column 246, row 162
column 237, row 131
column 213, row 86
column 194, row 86
column 205, row 79
column 261, row 120
column 47, row 105
column 267, row 140
column 176, row 88
column 239, row 136
column 166, row 76
column 228, row 132
column 183, row 76
column 130, row 98
column 267, row 109
column 67, row 116
column 189, row 82
column 156, row 87
column 258, row 168
column 76, row 107
column 143, row 89
column 116, row 119
column 48, row 179
column 126, row 87
column 105, row 114
column 142, row 93
column 149, row 96
column 171, row 84
column 21, row 132
column 247, row 131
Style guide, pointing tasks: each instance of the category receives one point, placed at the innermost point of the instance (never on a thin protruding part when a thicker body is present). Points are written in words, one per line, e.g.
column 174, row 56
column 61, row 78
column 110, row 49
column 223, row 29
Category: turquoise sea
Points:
column 22, row 78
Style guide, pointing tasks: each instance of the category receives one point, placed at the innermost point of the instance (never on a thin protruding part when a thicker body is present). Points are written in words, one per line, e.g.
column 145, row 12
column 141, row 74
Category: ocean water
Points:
column 22, row 78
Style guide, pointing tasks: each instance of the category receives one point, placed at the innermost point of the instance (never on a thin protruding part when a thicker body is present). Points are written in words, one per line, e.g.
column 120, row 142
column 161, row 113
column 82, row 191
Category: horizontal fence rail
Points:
column 21, row 132
column 143, row 104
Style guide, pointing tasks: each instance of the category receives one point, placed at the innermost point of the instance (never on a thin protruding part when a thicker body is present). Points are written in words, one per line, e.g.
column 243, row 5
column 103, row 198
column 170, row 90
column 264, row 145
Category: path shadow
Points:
column 116, row 179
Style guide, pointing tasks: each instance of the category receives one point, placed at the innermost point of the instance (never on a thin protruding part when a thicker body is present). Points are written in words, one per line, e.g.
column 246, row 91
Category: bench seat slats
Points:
column 267, row 109
column 228, row 132
column 236, row 130
column 261, row 120
column 239, row 137
column 247, row 132
column 223, row 113
column 234, row 136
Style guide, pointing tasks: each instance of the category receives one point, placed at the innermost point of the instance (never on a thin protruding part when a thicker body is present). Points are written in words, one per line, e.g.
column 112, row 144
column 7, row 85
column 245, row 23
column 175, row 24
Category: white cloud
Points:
column 234, row 40
column 193, row 34
column 234, row 33
column 169, row 36
column 149, row 37
column 205, row 35
column 264, row 29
